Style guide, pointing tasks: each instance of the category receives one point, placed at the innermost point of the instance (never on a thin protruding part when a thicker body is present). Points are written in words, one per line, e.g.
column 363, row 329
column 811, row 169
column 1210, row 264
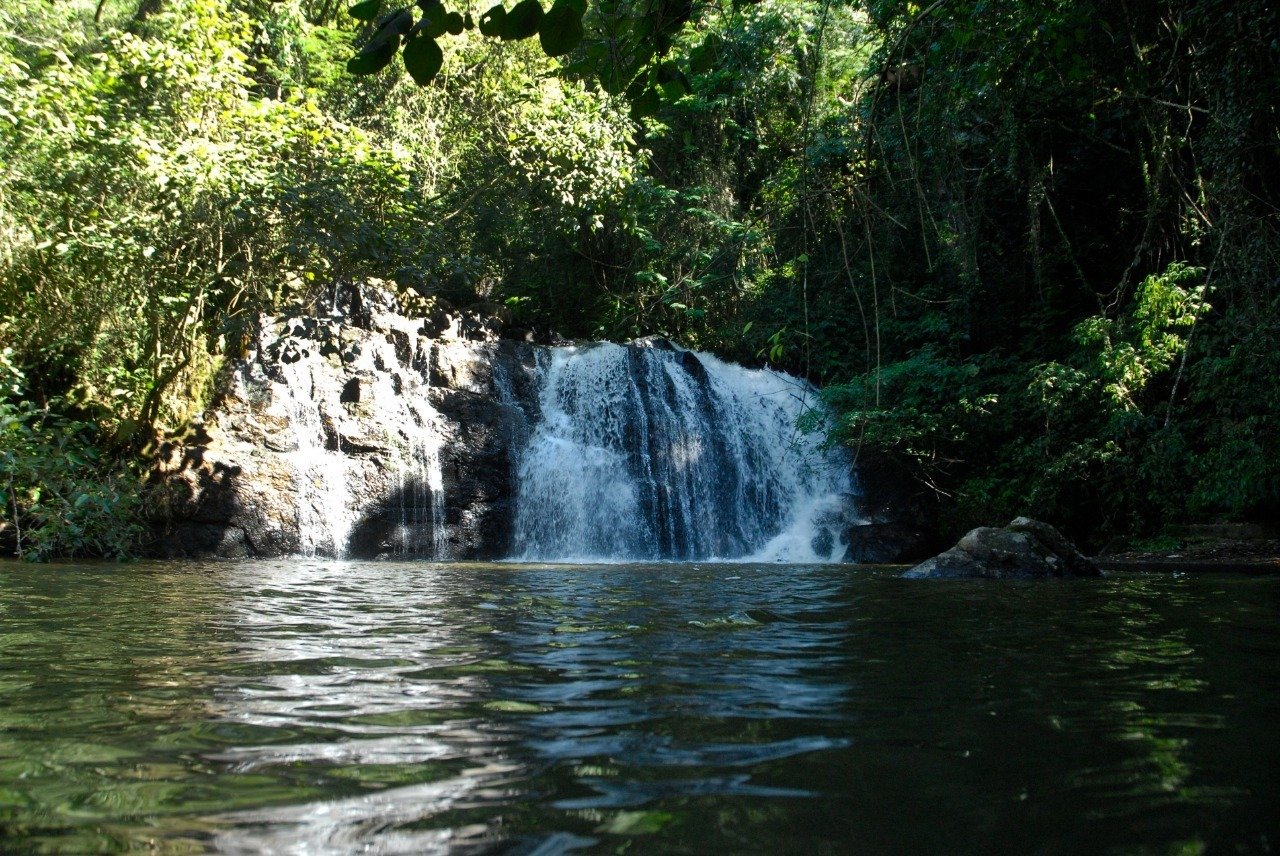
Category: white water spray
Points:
column 650, row 453
column 324, row 513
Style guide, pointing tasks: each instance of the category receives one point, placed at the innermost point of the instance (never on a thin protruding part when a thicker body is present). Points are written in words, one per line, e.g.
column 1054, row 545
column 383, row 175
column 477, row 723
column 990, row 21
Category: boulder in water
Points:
column 1025, row 549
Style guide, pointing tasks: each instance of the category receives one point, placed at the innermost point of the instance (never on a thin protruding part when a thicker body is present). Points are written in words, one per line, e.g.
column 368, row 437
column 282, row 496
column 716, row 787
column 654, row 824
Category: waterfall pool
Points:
column 311, row 707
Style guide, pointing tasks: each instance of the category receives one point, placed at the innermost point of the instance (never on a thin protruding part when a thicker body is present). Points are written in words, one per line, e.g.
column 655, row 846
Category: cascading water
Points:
column 654, row 453
column 369, row 434
column 413, row 431
column 320, row 476
column 363, row 397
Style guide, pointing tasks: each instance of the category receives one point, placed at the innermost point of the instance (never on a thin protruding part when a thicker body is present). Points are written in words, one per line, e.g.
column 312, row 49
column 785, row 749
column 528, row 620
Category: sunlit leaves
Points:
column 199, row 196
column 1129, row 352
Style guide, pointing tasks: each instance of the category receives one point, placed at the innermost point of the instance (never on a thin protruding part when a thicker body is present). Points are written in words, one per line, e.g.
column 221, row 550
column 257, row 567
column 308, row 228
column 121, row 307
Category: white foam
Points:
column 650, row 454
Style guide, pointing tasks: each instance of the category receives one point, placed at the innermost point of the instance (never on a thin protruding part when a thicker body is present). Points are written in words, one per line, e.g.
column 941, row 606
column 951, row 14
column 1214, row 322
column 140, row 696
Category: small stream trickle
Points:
column 368, row 396
column 324, row 507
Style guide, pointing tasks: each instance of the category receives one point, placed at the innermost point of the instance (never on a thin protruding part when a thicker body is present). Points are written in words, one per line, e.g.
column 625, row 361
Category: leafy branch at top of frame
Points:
column 624, row 47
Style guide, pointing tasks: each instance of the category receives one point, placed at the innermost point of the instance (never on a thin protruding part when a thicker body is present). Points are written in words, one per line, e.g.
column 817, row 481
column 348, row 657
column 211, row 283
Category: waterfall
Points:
column 364, row 441
column 647, row 453
column 415, row 436
column 367, row 434
column 324, row 513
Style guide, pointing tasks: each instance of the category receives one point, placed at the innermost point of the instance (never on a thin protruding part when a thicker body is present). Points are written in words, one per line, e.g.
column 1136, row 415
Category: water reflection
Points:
column 311, row 707
column 481, row 679
column 1094, row 701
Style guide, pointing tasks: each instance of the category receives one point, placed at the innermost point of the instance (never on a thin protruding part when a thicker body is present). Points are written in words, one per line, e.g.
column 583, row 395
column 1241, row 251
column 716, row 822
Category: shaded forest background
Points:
column 1028, row 249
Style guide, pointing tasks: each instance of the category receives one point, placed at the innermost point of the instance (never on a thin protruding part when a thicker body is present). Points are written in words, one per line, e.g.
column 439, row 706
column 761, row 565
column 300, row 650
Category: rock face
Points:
column 1025, row 549
column 366, row 434
column 895, row 512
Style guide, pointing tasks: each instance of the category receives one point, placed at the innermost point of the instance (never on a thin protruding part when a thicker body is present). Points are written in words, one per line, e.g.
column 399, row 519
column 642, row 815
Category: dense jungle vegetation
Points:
column 1031, row 250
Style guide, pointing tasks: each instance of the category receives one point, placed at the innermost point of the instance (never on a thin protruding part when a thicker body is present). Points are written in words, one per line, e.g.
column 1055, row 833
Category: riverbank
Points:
column 1256, row 555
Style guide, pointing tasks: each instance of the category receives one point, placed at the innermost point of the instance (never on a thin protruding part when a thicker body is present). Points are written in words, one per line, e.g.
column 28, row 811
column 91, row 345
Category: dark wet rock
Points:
column 656, row 342
column 884, row 543
column 1025, row 549
column 689, row 362
column 204, row 505
column 894, row 514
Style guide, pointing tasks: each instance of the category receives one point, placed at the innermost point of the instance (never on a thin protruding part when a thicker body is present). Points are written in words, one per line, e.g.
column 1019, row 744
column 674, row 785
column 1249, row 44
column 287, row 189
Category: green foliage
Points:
column 422, row 59
column 155, row 201
column 561, row 29
column 620, row 46
column 992, row 231
column 1051, row 191
column 1129, row 353
column 160, row 188
column 919, row 411
column 60, row 496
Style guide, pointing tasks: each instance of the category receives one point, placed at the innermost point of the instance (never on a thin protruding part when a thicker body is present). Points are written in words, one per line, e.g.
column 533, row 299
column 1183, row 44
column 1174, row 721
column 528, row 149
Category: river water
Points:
column 307, row 707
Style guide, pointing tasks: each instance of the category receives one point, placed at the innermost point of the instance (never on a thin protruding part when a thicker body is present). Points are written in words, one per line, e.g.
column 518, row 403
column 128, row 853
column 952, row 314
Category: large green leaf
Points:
column 624, row 68
column 366, row 11
column 676, row 89
column 672, row 15
column 422, row 59
column 454, row 23
column 665, row 72
column 374, row 57
column 491, row 22
column 703, row 58
column 636, row 88
column 672, row 81
column 523, row 20
column 646, row 104
column 433, row 23
column 395, row 24
column 561, row 28
column 614, row 77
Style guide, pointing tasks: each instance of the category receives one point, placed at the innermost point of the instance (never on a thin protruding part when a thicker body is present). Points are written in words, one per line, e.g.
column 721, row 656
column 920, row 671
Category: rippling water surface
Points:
column 324, row 707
